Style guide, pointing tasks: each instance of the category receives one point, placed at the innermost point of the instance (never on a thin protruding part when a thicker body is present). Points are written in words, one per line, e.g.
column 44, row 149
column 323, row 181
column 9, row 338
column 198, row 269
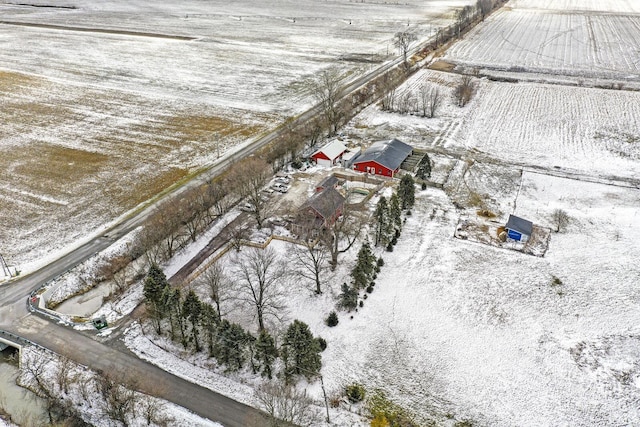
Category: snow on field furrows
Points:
column 566, row 38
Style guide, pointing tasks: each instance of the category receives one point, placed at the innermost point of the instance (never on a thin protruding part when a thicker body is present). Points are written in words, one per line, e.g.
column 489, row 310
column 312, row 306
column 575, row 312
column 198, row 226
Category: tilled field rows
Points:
column 585, row 44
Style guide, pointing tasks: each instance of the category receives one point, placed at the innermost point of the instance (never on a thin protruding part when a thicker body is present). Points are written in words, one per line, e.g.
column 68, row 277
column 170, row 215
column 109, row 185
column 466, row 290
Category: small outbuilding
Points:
column 330, row 154
column 383, row 157
column 518, row 229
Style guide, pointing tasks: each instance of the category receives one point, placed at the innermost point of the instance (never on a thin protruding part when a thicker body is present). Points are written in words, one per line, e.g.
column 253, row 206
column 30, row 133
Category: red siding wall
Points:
column 378, row 168
column 320, row 155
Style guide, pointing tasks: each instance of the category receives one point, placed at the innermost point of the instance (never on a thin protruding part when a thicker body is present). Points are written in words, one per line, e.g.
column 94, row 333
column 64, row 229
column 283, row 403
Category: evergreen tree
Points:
column 303, row 351
column 365, row 265
column 348, row 297
column 406, row 191
column 395, row 213
column 250, row 342
column 192, row 311
column 381, row 219
column 173, row 301
column 266, row 353
column 210, row 326
column 154, row 287
column 231, row 345
column 360, row 276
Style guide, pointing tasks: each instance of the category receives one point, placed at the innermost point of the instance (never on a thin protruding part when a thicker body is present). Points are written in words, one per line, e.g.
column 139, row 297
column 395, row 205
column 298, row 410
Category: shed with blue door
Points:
column 518, row 229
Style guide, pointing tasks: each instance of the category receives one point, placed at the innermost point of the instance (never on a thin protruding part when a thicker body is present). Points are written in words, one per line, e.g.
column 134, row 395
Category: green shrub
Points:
column 332, row 320
column 355, row 393
column 322, row 343
column 382, row 408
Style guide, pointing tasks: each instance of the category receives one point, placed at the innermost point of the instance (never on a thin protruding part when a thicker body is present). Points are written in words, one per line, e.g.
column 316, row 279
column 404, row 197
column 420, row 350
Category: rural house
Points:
column 383, row 157
column 518, row 229
column 323, row 207
column 330, row 154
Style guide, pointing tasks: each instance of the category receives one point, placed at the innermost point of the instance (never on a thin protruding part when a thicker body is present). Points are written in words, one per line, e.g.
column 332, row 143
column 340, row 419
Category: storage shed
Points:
column 518, row 229
column 330, row 154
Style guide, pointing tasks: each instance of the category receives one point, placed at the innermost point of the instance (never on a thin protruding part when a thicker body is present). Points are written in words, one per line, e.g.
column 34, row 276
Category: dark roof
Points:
column 329, row 181
column 520, row 225
column 390, row 153
column 326, row 203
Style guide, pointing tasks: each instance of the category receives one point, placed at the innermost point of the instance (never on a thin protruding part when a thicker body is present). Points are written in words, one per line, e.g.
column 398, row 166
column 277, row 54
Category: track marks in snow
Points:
column 586, row 44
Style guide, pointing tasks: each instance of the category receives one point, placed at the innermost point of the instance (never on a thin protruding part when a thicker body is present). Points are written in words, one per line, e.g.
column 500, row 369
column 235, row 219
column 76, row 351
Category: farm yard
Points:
column 106, row 104
column 456, row 330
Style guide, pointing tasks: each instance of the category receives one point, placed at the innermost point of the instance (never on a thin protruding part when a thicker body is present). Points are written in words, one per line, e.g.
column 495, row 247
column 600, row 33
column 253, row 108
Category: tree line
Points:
column 201, row 327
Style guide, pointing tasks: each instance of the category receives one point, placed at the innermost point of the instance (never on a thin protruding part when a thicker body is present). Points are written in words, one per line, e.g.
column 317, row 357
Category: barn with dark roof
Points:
column 383, row 157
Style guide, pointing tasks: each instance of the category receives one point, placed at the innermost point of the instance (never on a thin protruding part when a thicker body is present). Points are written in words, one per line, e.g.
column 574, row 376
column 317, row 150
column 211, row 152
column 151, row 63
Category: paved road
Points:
column 122, row 364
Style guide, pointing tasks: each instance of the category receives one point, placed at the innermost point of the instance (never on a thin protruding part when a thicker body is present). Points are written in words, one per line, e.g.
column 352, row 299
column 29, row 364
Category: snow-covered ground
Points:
column 457, row 330
column 105, row 104
column 587, row 39
column 480, row 333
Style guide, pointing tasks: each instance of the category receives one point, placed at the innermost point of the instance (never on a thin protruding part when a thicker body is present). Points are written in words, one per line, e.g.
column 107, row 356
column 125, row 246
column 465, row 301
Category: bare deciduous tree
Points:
column 118, row 402
column 406, row 102
column 287, row 406
column 192, row 213
column 338, row 237
column 149, row 241
column 484, row 6
column 34, row 367
column 402, row 40
column 259, row 274
column 64, row 375
column 430, row 100
column 250, row 176
column 310, row 258
column 327, row 91
column 235, row 233
column 218, row 284
column 464, row 91
column 560, row 218
column 166, row 220
column 117, row 269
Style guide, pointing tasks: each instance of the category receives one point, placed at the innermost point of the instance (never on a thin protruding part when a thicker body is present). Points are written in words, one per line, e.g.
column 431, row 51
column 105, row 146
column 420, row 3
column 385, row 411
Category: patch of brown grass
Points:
column 199, row 127
column 146, row 187
column 486, row 213
column 11, row 81
column 442, row 66
column 51, row 168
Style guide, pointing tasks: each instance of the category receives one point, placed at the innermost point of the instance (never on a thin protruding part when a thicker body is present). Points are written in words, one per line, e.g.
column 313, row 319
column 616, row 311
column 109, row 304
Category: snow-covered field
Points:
column 584, row 39
column 104, row 104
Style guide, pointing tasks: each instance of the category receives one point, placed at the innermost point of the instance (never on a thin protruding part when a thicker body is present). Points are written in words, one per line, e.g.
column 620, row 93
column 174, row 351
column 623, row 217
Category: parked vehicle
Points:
column 247, row 207
column 280, row 187
column 282, row 180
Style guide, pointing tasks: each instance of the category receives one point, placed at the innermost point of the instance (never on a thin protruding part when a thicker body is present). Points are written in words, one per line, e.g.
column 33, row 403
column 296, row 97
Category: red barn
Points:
column 383, row 157
column 330, row 154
